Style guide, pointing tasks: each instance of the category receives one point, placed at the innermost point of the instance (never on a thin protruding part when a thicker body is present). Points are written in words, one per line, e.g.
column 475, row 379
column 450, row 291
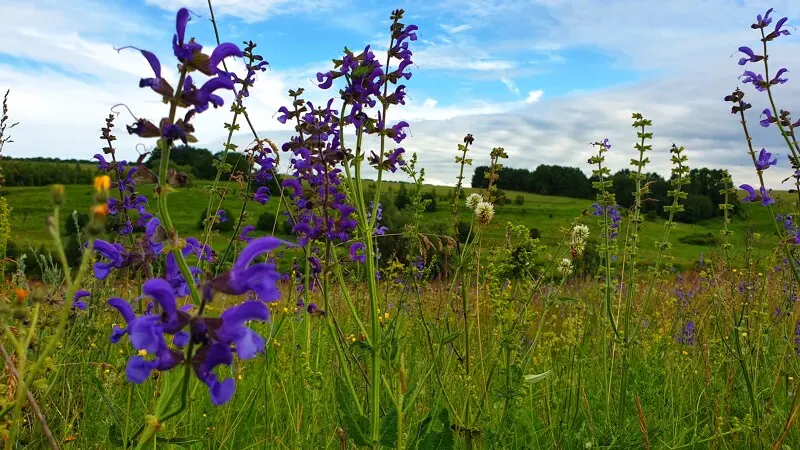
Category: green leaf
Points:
column 389, row 428
column 536, row 378
column 355, row 424
column 450, row 337
column 182, row 441
column 115, row 435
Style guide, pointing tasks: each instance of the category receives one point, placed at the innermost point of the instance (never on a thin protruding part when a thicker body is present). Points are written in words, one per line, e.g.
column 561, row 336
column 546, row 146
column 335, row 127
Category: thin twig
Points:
column 34, row 405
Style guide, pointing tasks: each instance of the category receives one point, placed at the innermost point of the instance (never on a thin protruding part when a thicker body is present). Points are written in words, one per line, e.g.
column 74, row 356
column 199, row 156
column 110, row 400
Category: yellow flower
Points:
column 685, row 352
column 102, row 183
column 142, row 353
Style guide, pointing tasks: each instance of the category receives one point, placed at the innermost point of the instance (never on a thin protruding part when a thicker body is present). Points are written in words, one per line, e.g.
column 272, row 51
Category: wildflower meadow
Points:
column 324, row 324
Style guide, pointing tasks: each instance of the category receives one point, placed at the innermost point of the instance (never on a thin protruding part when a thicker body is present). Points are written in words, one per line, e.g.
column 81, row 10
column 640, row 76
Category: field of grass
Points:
column 551, row 215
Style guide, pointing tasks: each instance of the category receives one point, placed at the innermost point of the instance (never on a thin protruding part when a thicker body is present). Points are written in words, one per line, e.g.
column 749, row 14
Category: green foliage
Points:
column 21, row 172
column 266, row 221
column 703, row 239
column 519, row 200
column 430, row 196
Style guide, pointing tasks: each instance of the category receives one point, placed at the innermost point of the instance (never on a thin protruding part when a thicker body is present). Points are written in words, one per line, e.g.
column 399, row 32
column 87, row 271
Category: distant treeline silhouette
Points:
column 703, row 189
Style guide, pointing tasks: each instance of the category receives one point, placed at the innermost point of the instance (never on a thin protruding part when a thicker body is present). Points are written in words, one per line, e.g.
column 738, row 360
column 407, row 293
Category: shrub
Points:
column 535, row 233
column 705, row 239
column 266, row 221
column 519, row 200
column 430, row 195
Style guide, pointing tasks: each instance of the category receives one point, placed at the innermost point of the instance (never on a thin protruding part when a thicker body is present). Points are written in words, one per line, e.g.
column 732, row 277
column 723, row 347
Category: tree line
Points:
column 703, row 190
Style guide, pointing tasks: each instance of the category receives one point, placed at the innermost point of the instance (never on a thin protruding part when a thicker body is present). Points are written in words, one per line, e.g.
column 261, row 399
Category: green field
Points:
column 550, row 214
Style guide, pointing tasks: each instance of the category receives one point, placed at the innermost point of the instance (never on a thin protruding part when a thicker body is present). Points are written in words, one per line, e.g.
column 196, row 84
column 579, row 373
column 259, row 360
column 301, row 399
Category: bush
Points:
column 430, row 195
column 704, row 239
column 519, row 200
column 535, row 233
column 266, row 221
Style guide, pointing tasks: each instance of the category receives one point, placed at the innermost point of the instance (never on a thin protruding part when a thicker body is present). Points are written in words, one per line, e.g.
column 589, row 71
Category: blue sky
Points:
column 541, row 78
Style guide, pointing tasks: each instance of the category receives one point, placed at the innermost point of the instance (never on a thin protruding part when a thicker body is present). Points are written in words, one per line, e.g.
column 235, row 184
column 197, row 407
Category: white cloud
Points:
column 453, row 29
column 250, row 11
column 534, row 96
column 510, row 84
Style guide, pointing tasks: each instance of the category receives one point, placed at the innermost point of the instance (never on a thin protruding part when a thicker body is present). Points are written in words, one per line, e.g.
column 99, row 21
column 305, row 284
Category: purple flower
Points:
column 762, row 22
column 751, row 57
column 778, row 30
column 222, row 216
column 262, row 278
column 777, row 78
column 763, row 161
column 766, row 200
column 76, row 299
column 756, row 79
column 355, row 248
column 687, row 334
column 751, row 193
column 769, row 119
column 114, row 253
column 262, row 195
column 245, row 231
column 218, row 338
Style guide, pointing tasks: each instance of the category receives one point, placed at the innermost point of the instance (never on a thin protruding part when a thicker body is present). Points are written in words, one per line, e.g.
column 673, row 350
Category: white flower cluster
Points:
column 578, row 238
column 564, row 267
column 484, row 211
column 473, row 200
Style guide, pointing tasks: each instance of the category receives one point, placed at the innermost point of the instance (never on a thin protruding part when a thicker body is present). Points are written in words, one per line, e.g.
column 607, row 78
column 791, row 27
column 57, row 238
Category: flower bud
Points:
column 57, row 194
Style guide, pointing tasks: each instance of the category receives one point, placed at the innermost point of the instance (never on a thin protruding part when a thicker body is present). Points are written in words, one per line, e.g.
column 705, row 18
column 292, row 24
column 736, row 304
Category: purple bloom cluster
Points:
column 191, row 58
column 686, row 336
column 757, row 79
column 613, row 213
column 216, row 338
column 128, row 200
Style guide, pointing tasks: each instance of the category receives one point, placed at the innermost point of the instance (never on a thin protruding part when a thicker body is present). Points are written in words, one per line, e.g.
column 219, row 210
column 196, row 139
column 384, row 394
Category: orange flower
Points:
column 22, row 294
column 102, row 183
column 100, row 211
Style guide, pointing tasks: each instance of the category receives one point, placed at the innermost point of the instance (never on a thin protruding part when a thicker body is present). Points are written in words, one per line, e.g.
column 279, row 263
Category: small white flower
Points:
column 564, row 267
column 484, row 212
column 473, row 200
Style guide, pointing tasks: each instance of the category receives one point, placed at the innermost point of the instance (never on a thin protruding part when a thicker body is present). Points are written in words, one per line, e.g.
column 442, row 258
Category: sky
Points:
column 540, row 78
